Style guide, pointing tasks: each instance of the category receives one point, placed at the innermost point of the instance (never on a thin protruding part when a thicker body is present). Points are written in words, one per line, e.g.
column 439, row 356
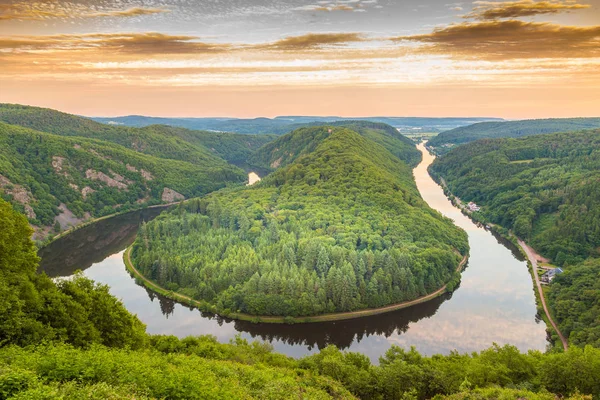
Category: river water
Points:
column 495, row 302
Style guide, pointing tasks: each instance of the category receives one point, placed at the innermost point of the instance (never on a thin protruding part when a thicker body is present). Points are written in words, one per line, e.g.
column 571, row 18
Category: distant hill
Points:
column 288, row 148
column 234, row 148
column 202, row 148
column 286, row 124
column 52, row 179
column 500, row 129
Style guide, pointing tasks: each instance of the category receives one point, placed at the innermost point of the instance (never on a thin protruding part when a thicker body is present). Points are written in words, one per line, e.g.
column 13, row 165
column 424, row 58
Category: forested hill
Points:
column 202, row 148
column 73, row 178
column 546, row 189
column 72, row 339
column 288, row 148
column 341, row 228
column 504, row 129
column 286, row 124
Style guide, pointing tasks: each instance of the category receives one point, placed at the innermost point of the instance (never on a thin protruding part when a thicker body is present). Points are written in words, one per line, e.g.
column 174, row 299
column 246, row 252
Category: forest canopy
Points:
column 546, row 190
column 41, row 171
column 508, row 129
column 73, row 340
column 340, row 228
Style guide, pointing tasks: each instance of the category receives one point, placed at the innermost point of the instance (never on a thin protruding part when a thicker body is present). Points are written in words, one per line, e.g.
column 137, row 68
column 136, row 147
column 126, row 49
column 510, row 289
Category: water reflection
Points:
column 494, row 303
column 93, row 243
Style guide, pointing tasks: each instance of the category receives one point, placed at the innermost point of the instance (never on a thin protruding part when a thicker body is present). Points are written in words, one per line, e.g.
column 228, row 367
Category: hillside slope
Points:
column 546, row 189
column 45, row 175
column 288, row 148
column 199, row 148
column 489, row 130
column 341, row 228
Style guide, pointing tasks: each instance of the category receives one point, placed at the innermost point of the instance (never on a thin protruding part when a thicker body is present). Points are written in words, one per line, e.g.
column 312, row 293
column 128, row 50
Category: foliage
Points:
column 232, row 147
column 156, row 140
column 407, row 374
column 341, row 228
column 54, row 170
column 76, row 341
column 575, row 301
column 546, row 189
column 34, row 309
column 504, row 129
column 288, row 148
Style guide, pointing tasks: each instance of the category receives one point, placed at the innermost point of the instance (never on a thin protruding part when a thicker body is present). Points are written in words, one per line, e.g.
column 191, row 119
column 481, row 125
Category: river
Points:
column 495, row 302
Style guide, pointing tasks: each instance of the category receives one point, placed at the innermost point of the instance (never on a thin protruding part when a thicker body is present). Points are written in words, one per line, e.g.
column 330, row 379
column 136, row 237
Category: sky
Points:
column 243, row 58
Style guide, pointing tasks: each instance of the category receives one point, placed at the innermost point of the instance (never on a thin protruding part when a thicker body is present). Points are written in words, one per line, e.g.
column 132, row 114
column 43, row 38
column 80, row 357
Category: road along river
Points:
column 495, row 302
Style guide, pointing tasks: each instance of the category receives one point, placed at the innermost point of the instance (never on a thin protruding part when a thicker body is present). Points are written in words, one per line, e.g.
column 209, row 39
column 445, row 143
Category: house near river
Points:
column 549, row 275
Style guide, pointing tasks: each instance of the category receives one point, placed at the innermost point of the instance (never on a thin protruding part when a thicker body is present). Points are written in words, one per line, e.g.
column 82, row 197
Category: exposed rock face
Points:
column 74, row 186
column 146, row 175
column 118, row 177
column 169, row 195
column 77, row 146
column 57, row 163
column 101, row 176
column 85, row 191
column 277, row 163
column 67, row 219
column 19, row 194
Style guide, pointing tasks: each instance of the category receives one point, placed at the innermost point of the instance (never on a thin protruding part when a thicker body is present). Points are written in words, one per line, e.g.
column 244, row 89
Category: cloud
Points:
column 158, row 43
column 129, row 43
column 510, row 39
column 41, row 11
column 348, row 5
column 313, row 41
column 489, row 10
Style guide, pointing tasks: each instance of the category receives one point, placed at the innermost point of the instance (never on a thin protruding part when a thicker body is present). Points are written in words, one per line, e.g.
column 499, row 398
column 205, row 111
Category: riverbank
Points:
column 282, row 320
column 532, row 257
column 528, row 253
column 94, row 220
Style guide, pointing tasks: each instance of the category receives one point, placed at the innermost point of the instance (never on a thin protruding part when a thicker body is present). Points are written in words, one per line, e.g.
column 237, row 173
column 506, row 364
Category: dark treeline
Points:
column 341, row 228
column 546, row 189
column 73, row 340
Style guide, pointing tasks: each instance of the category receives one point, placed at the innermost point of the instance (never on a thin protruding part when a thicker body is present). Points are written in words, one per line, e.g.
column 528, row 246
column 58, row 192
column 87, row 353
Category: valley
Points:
column 326, row 239
column 496, row 274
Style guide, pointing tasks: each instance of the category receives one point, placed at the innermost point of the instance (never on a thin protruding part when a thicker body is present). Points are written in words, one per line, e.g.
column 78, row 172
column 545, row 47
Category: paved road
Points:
column 534, row 265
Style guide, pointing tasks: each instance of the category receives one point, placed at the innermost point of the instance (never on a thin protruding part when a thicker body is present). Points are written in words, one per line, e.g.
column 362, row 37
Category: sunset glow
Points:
column 514, row 59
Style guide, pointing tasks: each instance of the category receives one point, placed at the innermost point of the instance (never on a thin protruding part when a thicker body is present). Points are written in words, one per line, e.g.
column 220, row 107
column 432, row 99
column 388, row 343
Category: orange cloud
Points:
column 39, row 12
column 313, row 41
column 510, row 39
column 131, row 43
column 489, row 10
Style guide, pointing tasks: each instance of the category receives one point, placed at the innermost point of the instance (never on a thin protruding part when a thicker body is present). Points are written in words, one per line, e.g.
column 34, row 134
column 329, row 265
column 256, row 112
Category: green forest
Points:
column 288, row 148
column 508, row 129
column 40, row 171
column 546, row 190
column 340, row 228
column 197, row 147
column 73, row 340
